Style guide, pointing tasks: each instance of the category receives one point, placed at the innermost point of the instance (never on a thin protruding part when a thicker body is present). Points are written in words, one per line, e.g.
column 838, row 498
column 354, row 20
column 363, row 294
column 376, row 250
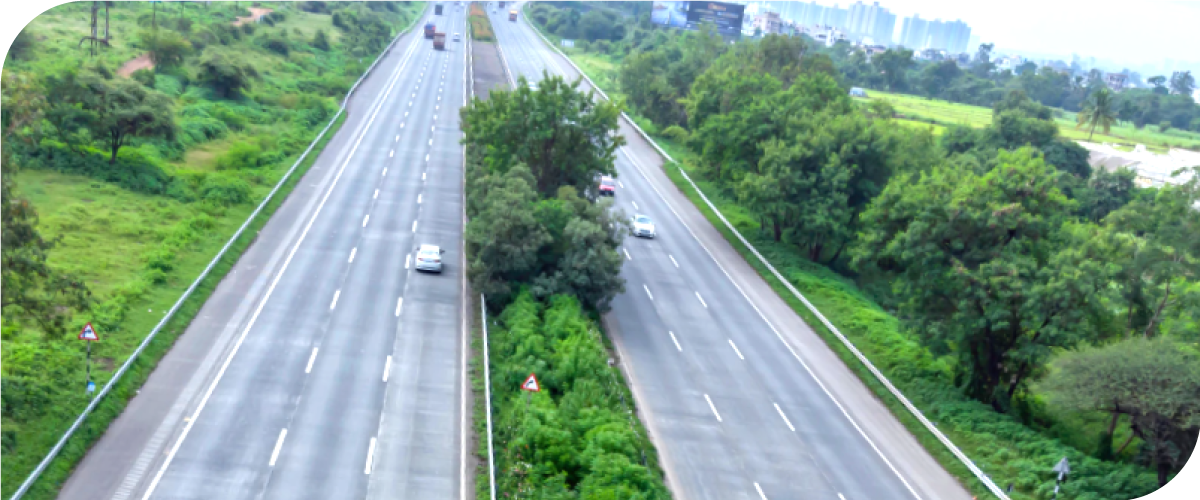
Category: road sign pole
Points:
column 88, row 381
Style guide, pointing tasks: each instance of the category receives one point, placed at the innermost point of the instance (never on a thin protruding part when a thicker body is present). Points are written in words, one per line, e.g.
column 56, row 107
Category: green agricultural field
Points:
column 944, row 113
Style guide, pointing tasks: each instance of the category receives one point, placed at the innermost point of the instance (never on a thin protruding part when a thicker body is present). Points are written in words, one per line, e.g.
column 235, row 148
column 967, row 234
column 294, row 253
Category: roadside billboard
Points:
column 727, row 17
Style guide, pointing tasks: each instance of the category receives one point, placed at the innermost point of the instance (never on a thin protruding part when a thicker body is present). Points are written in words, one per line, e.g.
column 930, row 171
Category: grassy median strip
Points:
column 579, row 433
column 481, row 26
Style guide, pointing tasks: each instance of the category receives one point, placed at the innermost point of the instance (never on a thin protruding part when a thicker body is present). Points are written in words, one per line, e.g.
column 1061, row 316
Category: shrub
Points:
column 676, row 133
column 225, row 190
column 320, row 41
column 160, row 258
column 1164, row 126
column 240, row 155
column 145, row 77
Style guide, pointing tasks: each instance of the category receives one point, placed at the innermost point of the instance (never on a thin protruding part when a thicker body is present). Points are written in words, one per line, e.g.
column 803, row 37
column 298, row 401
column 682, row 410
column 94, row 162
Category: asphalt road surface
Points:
column 742, row 399
column 324, row 366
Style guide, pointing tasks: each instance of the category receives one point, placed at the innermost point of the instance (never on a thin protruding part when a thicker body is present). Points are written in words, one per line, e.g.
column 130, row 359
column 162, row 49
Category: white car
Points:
column 456, row 37
column 643, row 227
column 429, row 258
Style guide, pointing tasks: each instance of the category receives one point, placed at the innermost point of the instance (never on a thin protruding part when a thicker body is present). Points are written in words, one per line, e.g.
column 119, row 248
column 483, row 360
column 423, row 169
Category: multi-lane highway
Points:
column 324, row 366
column 742, row 399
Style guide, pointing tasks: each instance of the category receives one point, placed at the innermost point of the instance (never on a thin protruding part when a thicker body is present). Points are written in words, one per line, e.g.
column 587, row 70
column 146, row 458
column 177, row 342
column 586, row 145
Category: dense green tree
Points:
column 893, row 64
column 1107, row 191
column 1183, row 83
column 936, row 78
column 225, row 74
column 503, row 238
column 124, row 109
column 34, row 291
column 1099, row 110
column 989, row 268
column 1164, row 256
column 167, row 48
column 1159, row 83
column 565, row 136
column 1154, row 382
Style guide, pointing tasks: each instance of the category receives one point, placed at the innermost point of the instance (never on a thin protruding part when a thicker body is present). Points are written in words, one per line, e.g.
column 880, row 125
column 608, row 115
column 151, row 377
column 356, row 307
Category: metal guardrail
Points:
column 983, row 477
column 41, row 467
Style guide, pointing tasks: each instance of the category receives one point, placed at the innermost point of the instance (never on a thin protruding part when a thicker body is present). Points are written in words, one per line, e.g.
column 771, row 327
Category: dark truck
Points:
column 512, row 15
column 430, row 29
column 437, row 9
column 439, row 41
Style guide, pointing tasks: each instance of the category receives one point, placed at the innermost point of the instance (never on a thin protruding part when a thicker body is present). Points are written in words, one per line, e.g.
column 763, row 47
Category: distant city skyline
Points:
column 1151, row 37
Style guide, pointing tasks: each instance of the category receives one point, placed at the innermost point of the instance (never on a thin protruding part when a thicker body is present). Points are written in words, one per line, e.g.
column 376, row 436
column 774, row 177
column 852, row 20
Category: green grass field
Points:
column 939, row 112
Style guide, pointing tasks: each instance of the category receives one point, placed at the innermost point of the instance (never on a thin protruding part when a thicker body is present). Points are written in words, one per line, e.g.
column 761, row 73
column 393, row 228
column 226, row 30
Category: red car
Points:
column 608, row 187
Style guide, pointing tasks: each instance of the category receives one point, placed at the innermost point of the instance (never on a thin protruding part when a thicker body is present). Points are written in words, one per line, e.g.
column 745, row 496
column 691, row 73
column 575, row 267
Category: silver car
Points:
column 429, row 258
column 643, row 227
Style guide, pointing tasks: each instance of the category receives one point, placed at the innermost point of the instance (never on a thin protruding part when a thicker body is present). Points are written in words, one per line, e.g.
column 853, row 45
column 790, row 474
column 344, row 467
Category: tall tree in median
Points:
column 504, row 237
column 990, row 268
column 1098, row 111
column 565, row 136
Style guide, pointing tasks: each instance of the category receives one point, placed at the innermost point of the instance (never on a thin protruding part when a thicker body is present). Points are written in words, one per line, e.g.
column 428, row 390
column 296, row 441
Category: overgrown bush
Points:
column 577, row 436
column 225, row 190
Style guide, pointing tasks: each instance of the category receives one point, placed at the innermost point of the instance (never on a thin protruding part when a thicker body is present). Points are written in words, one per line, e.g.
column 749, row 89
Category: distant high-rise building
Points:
column 871, row 21
column 919, row 34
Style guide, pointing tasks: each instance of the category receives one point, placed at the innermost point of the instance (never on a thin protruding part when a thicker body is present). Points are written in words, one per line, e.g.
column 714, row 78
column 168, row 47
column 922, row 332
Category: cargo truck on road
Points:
column 512, row 15
column 430, row 29
column 437, row 9
column 439, row 41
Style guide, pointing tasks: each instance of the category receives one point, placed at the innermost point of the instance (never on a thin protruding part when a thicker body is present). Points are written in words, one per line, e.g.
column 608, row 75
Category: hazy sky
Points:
column 1142, row 31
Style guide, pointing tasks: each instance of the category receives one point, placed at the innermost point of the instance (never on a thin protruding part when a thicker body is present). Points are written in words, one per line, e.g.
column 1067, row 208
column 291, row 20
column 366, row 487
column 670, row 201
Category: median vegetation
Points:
column 542, row 246
column 128, row 167
column 481, row 26
column 983, row 271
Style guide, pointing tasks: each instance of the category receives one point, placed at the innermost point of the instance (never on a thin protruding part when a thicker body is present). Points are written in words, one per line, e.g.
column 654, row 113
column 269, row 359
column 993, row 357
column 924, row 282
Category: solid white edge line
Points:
column 676, row 341
column 954, row 449
column 627, row 257
column 785, row 419
column 812, row 374
column 760, row 492
column 736, row 350
column 399, row 304
column 648, row 292
column 278, row 446
column 701, row 300
column 254, row 317
column 370, row 457
column 336, row 294
column 352, row 252
column 673, row 261
column 712, row 407
column 311, row 358
column 387, row 367
column 365, row 219
column 463, row 419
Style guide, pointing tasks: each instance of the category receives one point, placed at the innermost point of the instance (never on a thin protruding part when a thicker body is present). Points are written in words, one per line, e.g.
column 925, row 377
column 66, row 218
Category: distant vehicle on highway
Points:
column 439, row 41
column 608, row 187
column 456, row 37
column 643, row 227
column 512, row 15
column 429, row 258
column 430, row 29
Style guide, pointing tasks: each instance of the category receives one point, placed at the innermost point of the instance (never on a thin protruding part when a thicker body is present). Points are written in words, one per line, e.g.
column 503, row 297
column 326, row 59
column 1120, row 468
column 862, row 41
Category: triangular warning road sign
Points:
column 88, row 333
column 531, row 384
